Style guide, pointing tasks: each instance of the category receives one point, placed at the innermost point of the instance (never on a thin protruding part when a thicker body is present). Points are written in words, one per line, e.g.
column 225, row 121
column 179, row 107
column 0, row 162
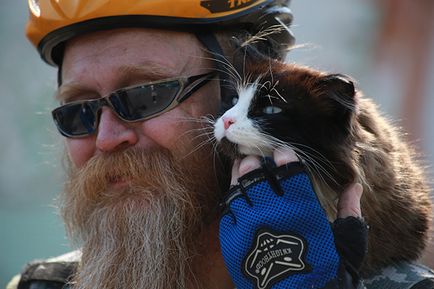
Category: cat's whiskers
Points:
column 215, row 156
column 276, row 83
column 260, row 150
column 204, row 138
column 269, row 98
column 271, row 86
column 278, row 93
column 265, row 84
column 231, row 70
column 311, row 162
column 272, row 96
column 317, row 154
column 246, row 82
column 209, row 118
column 255, row 137
column 295, row 145
column 200, row 132
column 313, row 167
column 201, row 135
column 210, row 139
column 316, row 169
column 266, row 143
column 230, row 82
column 202, row 122
column 270, row 70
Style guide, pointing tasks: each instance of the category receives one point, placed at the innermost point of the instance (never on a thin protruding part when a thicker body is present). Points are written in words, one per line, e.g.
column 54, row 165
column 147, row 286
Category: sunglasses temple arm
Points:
column 195, row 85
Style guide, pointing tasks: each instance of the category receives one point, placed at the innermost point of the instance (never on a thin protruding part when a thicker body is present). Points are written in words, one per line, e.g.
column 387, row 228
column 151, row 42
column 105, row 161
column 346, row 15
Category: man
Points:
column 143, row 186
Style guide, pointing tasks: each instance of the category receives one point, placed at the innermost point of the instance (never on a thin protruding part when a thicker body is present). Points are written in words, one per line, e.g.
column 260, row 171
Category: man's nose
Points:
column 113, row 133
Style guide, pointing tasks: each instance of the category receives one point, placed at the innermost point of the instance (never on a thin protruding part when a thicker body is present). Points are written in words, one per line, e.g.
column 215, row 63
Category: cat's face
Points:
column 239, row 126
column 285, row 105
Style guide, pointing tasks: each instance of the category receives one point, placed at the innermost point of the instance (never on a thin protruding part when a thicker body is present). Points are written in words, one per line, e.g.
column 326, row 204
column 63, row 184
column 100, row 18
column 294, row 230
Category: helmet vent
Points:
column 34, row 7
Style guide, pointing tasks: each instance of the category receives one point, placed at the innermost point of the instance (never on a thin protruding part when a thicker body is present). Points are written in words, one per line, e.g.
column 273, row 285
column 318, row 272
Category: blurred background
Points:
column 386, row 45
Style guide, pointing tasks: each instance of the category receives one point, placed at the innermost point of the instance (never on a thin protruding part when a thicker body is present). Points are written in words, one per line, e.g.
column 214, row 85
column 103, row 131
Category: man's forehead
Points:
column 142, row 46
column 147, row 66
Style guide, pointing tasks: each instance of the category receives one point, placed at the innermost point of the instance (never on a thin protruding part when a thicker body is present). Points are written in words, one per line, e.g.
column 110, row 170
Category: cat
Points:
column 341, row 137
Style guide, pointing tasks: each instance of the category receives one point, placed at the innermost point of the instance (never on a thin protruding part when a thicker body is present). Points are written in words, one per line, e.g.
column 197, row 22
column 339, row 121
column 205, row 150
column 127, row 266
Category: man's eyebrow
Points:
column 68, row 91
column 145, row 72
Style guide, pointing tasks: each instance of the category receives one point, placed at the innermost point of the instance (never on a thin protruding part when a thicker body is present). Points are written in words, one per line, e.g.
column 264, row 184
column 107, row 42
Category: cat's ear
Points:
column 340, row 88
column 340, row 95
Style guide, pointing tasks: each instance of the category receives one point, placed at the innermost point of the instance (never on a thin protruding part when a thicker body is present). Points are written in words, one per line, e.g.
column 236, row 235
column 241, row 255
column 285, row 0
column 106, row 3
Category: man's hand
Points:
column 348, row 204
column 275, row 234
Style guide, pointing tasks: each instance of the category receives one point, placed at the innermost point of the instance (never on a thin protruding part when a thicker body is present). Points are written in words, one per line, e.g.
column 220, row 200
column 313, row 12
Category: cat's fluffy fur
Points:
column 328, row 118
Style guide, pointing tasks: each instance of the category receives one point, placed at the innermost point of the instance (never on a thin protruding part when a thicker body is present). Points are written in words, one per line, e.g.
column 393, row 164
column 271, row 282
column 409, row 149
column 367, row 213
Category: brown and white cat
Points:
column 342, row 138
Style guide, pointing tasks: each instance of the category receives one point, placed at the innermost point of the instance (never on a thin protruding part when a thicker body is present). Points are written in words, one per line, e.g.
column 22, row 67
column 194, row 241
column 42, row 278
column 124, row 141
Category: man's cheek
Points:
column 170, row 128
column 80, row 150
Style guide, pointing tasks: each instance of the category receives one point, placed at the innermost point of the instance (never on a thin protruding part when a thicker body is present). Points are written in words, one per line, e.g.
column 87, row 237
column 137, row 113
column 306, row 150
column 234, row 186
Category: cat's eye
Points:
column 272, row 109
column 234, row 100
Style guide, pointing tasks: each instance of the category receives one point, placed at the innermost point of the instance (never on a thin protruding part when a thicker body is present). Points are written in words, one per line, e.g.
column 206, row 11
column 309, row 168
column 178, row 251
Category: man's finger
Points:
column 249, row 164
column 349, row 202
column 235, row 172
column 283, row 156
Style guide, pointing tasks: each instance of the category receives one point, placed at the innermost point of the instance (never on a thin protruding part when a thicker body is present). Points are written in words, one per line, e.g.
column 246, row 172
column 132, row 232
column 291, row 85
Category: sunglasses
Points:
column 134, row 103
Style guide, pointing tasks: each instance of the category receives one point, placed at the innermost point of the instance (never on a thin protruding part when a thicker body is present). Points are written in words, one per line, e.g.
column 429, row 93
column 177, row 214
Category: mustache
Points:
column 90, row 188
column 131, row 163
column 141, row 168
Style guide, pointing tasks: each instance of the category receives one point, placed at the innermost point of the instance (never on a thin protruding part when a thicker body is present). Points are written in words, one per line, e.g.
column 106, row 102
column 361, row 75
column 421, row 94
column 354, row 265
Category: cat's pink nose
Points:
column 228, row 121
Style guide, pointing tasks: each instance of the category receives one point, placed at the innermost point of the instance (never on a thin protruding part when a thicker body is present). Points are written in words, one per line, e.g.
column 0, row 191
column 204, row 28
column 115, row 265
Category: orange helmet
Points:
column 52, row 22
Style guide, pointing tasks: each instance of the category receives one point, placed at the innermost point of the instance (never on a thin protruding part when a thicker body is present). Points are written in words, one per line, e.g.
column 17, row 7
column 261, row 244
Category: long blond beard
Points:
column 143, row 235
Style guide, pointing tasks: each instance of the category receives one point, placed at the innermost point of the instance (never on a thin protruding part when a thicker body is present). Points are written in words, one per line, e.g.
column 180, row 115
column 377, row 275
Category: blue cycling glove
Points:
column 275, row 234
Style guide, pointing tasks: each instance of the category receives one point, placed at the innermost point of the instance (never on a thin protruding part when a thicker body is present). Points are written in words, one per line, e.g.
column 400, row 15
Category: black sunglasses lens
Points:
column 144, row 101
column 75, row 119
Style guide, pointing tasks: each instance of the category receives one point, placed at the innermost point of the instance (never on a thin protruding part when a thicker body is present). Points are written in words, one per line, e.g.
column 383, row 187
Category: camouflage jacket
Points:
column 54, row 274
column 402, row 276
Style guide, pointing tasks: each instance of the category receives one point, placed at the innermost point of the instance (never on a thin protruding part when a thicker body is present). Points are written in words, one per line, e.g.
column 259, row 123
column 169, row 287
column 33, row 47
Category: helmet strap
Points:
column 59, row 74
column 209, row 40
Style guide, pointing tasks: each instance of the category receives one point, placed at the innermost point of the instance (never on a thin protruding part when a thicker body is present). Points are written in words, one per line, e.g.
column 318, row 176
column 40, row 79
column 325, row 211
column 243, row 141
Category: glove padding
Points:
column 275, row 234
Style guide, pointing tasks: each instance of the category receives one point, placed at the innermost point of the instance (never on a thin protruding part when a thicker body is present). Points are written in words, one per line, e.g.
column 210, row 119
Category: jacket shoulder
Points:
column 51, row 273
column 403, row 275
